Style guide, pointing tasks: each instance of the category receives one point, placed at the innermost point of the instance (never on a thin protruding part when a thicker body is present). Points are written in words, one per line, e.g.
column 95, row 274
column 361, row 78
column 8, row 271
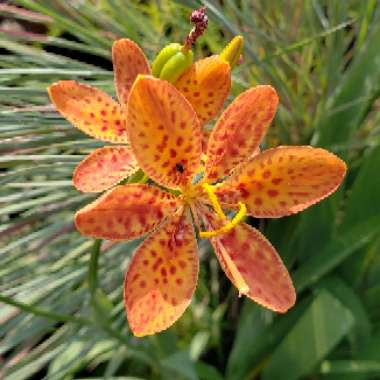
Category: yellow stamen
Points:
column 214, row 201
column 229, row 226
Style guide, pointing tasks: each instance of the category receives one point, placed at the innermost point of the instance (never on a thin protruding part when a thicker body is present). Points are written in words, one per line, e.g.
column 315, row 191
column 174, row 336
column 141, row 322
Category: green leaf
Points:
column 350, row 299
column 207, row 372
column 199, row 344
column 335, row 252
column 366, row 362
column 349, row 367
column 180, row 364
column 258, row 333
column 318, row 331
column 362, row 202
column 351, row 101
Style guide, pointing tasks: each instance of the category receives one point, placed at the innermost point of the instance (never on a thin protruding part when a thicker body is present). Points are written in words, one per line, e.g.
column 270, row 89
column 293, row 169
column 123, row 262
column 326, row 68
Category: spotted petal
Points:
column 162, row 277
column 90, row 110
column 253, row 265
column 239, row 130
column 104, row 168
column 128, row 61
column 164, row 132
column 283, row 181
column 125, row 212
column 206, row 86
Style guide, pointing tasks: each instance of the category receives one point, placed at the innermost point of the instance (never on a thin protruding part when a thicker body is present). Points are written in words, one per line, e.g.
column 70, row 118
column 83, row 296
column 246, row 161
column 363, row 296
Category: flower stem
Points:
column 99, row 312
column 93, row 268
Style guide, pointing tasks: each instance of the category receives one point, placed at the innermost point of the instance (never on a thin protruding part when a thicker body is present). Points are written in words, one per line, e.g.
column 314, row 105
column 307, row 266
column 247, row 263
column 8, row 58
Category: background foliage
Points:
column 323, row 56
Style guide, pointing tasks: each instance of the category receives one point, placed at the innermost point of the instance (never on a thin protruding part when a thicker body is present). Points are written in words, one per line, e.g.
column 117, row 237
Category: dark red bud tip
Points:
column 200, row 20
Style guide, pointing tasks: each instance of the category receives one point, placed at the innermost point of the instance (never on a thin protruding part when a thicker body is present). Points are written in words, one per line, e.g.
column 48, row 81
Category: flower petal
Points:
column 164, row 132
column 89, row 109
column 104, row 168
column 253, row 265
column 128, row 61
column 239, row 130
column 283, row 181
column 125, row 212
column 162, row 277
column 206, row 86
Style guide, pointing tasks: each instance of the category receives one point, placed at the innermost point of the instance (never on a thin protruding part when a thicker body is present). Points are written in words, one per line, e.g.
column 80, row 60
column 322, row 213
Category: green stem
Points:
column 93, row 284
column 44, row 313
column 93, row 268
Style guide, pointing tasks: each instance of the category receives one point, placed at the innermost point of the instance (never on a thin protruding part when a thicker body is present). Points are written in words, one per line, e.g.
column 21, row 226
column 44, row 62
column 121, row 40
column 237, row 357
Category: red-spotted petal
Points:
column 239, row 130
column 162, row 277
column 283, row 181
column 90, row 110
column 128, row 61
column 104, row 168
column 125, row 212
column 206, row 86
column 164, row 132
column 253, row 265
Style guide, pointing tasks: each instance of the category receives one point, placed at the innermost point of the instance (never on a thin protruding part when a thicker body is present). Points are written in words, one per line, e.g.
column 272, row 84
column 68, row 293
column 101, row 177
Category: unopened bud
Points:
column 200, row 21
column 232, row 53
column 171, row 62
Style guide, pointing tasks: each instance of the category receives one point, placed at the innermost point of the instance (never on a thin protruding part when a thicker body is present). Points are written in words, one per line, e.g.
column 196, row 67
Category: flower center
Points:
column 218, row 210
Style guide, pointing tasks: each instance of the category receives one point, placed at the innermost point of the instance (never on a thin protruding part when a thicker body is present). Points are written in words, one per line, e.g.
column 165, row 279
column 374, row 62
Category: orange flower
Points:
column 206, row 85
column 165, row 135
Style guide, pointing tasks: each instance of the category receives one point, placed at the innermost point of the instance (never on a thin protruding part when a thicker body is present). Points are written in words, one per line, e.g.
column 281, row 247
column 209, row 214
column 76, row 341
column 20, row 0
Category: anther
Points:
column 229, row 226
column 214, row 201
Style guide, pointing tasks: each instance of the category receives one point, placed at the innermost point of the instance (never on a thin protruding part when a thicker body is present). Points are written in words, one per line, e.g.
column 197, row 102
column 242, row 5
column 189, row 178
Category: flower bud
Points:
column 232, row 52
column 171, row 62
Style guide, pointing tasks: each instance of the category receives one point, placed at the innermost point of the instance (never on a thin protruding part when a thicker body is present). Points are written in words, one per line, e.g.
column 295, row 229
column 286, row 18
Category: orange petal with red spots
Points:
column 90, row 110
column 283, row 181
column 239, row 130
column 128, row 61
column 253, row 265
column 162, row 277
column 125, row 212
column 104, row 168
column 164, row 132
column 206, row 86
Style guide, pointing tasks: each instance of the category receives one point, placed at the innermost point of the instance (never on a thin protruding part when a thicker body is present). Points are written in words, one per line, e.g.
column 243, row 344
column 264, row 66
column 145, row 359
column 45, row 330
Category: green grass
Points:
column 323, row 57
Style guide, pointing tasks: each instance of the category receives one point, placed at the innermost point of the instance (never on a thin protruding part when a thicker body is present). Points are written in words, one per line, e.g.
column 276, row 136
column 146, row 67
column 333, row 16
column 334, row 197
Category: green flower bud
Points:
column 171, row 62
column 176, row 66
column 163, row 57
